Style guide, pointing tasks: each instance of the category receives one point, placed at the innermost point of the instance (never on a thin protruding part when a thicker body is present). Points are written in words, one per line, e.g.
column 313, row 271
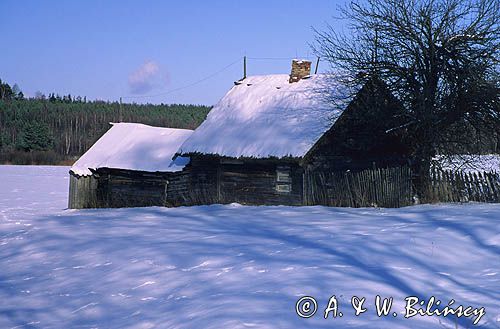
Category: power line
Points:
column 214, row 74
column 189, row 85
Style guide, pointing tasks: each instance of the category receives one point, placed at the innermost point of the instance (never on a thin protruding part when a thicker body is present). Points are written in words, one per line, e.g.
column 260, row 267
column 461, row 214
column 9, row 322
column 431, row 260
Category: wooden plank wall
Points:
column 126, row 188
column 178, row 190
column 214, row 179
column 456, row 186
column 82, row 192
column 255, row 184
column 203, row 175
column 390, row 187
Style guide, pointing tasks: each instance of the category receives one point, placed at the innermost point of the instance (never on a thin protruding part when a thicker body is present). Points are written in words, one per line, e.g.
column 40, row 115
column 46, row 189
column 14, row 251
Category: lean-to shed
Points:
column 129, row 166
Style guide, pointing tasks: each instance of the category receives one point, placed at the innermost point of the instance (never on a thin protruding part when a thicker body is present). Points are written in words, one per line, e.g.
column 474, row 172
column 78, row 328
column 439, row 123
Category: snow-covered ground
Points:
column 233, row 266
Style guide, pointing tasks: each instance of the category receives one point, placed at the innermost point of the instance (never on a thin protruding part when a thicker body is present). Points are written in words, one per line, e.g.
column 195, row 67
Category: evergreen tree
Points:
column 5, row 91
column 16, row 91
column 35, row 136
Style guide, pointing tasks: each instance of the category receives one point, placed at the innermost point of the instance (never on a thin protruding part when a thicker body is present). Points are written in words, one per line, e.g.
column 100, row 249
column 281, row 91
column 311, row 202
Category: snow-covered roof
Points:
column 135, row 146
column 266, row 116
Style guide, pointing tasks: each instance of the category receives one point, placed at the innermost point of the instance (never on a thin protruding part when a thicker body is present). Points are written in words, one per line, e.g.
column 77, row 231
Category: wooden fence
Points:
column 452, row 186
column 390, row 187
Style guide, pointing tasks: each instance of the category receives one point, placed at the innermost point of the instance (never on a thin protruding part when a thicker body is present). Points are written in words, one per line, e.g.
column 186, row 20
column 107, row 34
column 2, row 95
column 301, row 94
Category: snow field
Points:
column 231, row 266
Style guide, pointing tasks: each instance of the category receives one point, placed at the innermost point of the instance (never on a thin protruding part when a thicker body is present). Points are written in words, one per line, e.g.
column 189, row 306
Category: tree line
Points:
column 57, row 129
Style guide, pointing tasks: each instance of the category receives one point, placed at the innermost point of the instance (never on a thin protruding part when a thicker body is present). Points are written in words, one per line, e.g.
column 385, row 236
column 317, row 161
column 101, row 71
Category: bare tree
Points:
column 439, row 57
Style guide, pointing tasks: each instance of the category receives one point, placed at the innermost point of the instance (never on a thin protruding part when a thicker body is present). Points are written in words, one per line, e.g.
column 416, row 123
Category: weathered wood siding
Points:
column 364, row 136
column 116, row 188
column 203, row 185
column 126, row 188
column 254, row 183
column 248, row 181
column 82, row 192
column 179, row 190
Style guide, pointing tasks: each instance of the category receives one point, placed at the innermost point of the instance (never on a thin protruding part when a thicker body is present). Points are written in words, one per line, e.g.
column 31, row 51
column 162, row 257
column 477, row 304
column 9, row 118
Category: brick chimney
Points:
column 300, row 69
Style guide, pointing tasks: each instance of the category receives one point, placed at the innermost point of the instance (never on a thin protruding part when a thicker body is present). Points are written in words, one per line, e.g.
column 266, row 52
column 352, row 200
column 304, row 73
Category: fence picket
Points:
column 390, row 187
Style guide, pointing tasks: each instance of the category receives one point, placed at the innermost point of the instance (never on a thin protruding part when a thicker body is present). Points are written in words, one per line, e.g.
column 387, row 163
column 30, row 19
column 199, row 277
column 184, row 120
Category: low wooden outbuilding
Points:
column 130, row 166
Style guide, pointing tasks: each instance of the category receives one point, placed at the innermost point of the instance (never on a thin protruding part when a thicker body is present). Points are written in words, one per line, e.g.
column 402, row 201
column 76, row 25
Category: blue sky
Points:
column 107, row 49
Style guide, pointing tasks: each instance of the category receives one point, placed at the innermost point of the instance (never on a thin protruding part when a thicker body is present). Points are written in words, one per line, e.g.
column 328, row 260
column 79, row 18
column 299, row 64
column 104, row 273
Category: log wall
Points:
column 256, row 183
column 248, row 181
column 126, row 188
column 116, row 188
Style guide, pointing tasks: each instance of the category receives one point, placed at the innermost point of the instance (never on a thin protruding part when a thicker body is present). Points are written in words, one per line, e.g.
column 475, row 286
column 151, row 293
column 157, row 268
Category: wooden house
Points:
column 129, row 166
column 261, row 140
column 264, row 143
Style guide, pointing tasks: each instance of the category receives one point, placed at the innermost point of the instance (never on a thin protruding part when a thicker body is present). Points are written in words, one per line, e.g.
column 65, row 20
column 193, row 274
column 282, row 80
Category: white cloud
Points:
column 146, row 78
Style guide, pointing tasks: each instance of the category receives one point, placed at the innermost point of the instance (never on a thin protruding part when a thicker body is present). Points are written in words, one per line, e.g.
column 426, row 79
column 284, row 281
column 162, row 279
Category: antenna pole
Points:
column 317, row 64
column 244, row 67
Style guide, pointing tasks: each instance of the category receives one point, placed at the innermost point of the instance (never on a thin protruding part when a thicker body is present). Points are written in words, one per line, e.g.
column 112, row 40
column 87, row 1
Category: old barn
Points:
column 269, row 138
column 129, row 166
